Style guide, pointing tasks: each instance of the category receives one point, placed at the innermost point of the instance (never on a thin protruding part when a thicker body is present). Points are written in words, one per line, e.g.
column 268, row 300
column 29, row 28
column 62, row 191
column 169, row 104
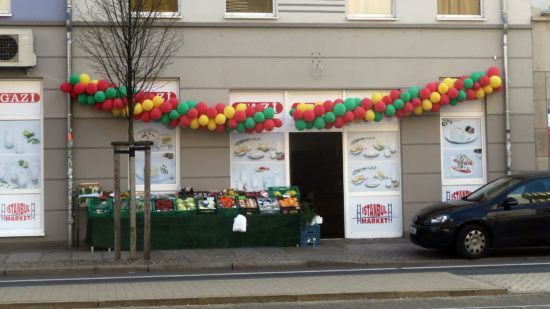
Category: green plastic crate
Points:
column 283, row 191
column 100, row 208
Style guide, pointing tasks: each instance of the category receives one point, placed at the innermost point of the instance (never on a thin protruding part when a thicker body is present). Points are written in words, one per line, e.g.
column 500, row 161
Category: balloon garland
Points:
column 247, row 119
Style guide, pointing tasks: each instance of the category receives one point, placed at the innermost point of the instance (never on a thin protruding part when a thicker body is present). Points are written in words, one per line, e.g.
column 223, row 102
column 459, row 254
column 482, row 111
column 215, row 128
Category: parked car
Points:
column 511, row 211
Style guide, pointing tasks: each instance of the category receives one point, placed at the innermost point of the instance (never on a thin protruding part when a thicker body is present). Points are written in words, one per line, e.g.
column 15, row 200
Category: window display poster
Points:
column 449, row 193
column 461, row 133
column 20, row 215
column 374, row 177
column 257, row 161
column 462, row 153
column 374, row 217
column 373, row 146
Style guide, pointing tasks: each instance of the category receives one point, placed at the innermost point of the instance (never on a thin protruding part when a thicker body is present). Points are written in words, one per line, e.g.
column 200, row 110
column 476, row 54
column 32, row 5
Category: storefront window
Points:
column 365, row 9
column 249, row 8
column 162, row 7
column 460, row 8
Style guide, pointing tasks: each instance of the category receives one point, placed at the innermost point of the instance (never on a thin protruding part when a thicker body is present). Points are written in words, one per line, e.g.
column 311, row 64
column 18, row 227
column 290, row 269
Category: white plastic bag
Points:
column 239, row 224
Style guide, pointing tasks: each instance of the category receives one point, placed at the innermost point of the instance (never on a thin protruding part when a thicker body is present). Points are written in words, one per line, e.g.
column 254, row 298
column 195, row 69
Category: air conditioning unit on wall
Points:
column 17, row 48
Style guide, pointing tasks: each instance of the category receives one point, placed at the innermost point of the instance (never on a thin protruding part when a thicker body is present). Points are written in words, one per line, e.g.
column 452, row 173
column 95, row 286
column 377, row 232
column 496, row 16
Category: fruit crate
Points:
column 206, row 205
column 164, row 204
column 284, row 191
column 227, row 205
column 310, row 235
column 100, row 208
column 268, row 205
column 185, row 206
column 248, row 205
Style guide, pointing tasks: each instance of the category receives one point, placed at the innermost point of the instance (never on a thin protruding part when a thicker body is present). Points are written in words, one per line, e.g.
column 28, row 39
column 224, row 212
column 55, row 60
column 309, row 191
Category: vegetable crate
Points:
column 186, row 206
column 206, row 205
column 98, row 208
column 248, row 205
column 292, row 191
column 164, row 205
column 310, row 235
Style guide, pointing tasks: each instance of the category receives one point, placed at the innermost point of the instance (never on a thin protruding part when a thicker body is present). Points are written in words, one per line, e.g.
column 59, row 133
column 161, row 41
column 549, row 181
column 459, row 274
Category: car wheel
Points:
column 472, row 241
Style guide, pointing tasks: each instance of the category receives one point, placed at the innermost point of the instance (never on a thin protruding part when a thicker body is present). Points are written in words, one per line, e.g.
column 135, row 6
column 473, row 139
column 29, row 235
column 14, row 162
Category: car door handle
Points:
column 546, row 210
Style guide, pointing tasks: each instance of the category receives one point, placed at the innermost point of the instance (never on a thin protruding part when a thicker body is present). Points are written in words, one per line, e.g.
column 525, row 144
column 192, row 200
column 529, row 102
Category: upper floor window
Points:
column 163, row 8
column 370, row 9
column 5, row 7
column 250, row 8
column 460, row 9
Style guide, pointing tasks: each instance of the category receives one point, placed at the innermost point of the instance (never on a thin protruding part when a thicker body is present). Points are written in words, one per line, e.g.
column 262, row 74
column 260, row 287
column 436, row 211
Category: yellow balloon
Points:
column 229, row 112
column 418, row 110
column 435, row 97
column 138, row 109
column 369, row 115
column 212, row 125
column 157, row 101
column 488, row 89
column 220, row 119
column 116, row 112
column 84, row 79
column 442, row 88
column 241, row 107
column 302, row 107
column 480, row 94
column 376, row 97
column 203, row 120
column 194, row 124
column 450, row 82
column 318, row 103
column 94, row 81
column 495, row 81
column 124, row 112
column 310, row 106
column 147, row 105
column 427, row 105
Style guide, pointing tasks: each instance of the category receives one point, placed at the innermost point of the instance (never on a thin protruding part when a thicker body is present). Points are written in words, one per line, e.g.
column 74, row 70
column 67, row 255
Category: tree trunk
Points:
column 132, row 180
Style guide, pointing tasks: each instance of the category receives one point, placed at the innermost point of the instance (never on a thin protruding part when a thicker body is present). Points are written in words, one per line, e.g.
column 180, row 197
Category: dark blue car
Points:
column 511, row 211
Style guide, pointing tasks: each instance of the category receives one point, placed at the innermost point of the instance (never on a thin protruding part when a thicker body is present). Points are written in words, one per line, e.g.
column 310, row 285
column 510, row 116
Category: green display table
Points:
column 200, row 231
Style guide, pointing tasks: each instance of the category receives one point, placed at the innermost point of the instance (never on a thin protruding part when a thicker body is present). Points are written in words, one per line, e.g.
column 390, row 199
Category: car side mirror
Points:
column 509, row 202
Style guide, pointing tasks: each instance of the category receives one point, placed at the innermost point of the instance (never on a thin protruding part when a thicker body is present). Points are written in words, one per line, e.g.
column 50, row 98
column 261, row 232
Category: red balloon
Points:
column 220, row 128
column 380, row 107
column 416, row 102
column 203, row 128
column 174, row 102
column 249, row 130
column 107, row 105
column 395, row 94
column 148, row 96
column 497, row 89
column 259, row 127
column 493, row 71
column 452, row 93
column 348, row 116
column 145, row 116
column 139, row 97
column 156, row 113
column 436, row 108
column 387, row 99
column 433, row 86
column 329, row 105
column 476, row 86
column 359, row 112
column 319, row 110
column 470, row 94
column 366, row 103
column 102, row 85
column 339, row 122
column 66, row 87
column 329, row 125
column 91, row 88
column 240, row 116
column 399, row 113
column 193, row 113
column 444, row 100
column 309, row 115
column 166, row 107
column 74, row 95
column 298, row 114
column 232, row 123
column 173, row 123
column 201, row 108
column 425, row 93
column 184, row 121
column 97, row 105
column 250, row 111
column 459, row 84
column 79, row 88
column 220, row 107
column 408, row 108
column 269, row 124
column 117, row 103
column 484, row 80
column 211, row 112
column 338, row 101
column 125, row 101
column 278, row 122
column 260, row 107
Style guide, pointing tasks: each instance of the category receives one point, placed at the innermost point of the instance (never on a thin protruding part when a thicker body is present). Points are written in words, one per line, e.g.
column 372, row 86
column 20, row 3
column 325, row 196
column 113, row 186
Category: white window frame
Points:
column 242, row 15
column 392, row 16
column 7, row 10
column 480, row 17
column 166, row 14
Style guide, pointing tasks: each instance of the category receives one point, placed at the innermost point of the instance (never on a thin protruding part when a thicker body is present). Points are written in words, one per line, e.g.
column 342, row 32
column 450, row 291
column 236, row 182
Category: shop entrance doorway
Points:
column 316, row 167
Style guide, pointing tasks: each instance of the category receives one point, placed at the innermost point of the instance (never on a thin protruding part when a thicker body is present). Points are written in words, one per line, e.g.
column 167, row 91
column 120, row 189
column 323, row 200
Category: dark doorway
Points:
column 316, row 167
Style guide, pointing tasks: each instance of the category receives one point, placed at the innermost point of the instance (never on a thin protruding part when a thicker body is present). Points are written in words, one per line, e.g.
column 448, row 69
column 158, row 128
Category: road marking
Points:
column 495, row 307
column 265, row 273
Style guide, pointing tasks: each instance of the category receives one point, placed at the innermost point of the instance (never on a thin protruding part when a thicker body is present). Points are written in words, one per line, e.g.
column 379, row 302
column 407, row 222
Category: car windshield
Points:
column 492, row 189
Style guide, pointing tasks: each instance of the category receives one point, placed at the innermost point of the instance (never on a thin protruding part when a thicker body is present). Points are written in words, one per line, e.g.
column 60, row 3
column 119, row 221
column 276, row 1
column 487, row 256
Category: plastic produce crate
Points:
column 310, row 235
column 100, row 208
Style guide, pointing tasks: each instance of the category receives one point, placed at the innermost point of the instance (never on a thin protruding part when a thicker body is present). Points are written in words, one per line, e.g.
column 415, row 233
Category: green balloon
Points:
column 249, row 123
column 405, row 96
column 192, row 103
column 300, row 124
column 357, row 102
column 349, row 103
column 174, row 114
column 240, row 127
column 390, row 110
column 319, row 123
column 259, row 117
column 123, row 91
column 269, row 112
column 99, row 96
column 330, row 117
column 462, row 95
column 339, row 109
column 476, row 76
column 414, row 91
column 110, row 93
column 74, row 79
column 453, row 102
column 398, row 104
column 90, row 100
column 292, row 110
column 309, row 125
column 165, row 119
column 183, row 108
column 82, row 98
column 468, row 83
column 378, row 116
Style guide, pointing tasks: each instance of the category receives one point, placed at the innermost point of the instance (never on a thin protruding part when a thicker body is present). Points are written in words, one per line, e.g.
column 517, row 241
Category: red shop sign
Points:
column 165, row 95
column 19, row 97
column 459, row 194
column 278, row 106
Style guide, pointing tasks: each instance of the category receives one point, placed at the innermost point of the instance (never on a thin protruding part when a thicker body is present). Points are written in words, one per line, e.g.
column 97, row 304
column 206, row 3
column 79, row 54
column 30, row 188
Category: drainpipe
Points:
column 506, row 83
column 70, row 219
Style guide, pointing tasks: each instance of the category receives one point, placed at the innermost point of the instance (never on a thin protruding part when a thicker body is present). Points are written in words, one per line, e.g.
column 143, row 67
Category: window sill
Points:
column 6, row 14
column 370, row 17
column 174, row 15
column 249, row 16
column 460, row 18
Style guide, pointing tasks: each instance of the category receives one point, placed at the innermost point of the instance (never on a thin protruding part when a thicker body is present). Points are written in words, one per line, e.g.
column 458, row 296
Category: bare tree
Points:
column 129, row 45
